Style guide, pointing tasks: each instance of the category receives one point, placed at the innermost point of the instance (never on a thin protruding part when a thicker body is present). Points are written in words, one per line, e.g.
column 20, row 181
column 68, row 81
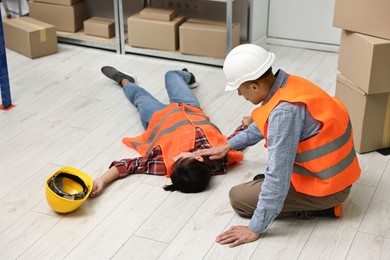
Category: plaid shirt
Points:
column 153, row 163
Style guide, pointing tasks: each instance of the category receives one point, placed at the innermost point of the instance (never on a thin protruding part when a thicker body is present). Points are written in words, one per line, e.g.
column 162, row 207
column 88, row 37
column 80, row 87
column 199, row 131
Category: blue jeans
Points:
column 176, row 84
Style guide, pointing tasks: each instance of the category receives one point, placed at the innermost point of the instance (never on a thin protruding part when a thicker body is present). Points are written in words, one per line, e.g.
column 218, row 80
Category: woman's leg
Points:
column 176, row 83
column 146, row 104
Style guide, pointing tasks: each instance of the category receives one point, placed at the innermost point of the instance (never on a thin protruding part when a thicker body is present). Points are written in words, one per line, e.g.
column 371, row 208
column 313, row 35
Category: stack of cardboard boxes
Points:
column 363, row 84
column 36, row 36
column 70, row 16
column 162, row 29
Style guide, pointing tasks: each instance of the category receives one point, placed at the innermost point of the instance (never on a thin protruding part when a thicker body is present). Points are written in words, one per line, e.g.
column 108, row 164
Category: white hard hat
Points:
column 246, row 62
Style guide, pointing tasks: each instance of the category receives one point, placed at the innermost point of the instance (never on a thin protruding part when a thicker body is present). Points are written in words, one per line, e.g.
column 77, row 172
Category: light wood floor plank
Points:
column 74, row 227
column 139, row 248
column 24, row 197
column 198, row 235
column 98, row 139
column 368, row 246
column 173, row 213
column 377, row 218
column 107, row 239
column 285, row 239
column 332, row 238
column 373, row 166
column 241, row 252
column 35, row 148
column 26, row 231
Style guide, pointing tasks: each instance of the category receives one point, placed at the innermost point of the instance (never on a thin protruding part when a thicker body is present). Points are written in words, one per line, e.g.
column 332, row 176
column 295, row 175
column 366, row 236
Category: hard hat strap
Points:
column 56, row 185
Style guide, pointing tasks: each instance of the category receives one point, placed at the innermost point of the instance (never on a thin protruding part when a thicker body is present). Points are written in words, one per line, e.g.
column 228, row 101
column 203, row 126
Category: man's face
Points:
column 252, row 91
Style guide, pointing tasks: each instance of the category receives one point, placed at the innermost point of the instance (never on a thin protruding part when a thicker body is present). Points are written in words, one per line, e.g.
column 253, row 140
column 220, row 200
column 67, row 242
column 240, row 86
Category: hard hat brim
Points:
column 62, row 204
column 230, row 88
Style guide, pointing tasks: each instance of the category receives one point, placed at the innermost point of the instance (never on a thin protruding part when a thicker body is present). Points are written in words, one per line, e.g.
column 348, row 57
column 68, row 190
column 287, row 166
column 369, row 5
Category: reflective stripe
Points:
column 153, row 132
column 171, row 129
column 157, row 126
column 204, row 116
column 188, row 111
column 329, row 172
column 152, row 139
column 326, row 148
column 163, row 132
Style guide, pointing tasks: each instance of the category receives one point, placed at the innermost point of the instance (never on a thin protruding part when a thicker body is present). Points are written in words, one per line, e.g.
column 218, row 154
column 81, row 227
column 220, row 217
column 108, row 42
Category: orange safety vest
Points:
column 325, row 163
column 173, row 129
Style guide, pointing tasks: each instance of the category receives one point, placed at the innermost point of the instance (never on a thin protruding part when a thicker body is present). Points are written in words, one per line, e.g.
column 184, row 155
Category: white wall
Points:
column 309, row 22
column 13, row 6
column 258, row 21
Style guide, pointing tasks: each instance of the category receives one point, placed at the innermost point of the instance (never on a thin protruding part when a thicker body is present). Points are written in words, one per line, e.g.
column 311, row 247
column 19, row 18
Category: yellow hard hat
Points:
column 67, row 189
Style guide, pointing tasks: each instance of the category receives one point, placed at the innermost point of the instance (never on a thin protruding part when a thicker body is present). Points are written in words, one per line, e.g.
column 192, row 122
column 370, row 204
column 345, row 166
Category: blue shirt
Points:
column 288, row 124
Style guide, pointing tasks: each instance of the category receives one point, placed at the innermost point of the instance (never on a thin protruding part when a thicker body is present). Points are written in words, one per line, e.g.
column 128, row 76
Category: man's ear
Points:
column 199, row 158
column 255, row 86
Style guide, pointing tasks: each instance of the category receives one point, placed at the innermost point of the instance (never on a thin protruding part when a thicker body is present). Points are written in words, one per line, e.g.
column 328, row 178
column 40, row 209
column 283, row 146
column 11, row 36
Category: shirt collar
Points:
column 281, row 78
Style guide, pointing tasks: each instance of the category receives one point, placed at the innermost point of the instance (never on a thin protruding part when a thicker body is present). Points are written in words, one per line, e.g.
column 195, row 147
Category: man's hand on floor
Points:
column 237, row 235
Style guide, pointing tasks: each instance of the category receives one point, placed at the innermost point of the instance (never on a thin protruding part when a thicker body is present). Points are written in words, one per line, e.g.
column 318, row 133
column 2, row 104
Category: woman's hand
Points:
column 98, row 186
column 247, row 120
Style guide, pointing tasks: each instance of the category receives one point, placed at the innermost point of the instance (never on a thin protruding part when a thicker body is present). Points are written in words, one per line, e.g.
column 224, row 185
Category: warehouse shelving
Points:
column 176, row 55
column 80, row 38
column 118, row 43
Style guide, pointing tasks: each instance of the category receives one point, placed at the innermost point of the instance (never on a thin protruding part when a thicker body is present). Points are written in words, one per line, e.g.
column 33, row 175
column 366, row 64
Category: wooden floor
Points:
column 68, row 114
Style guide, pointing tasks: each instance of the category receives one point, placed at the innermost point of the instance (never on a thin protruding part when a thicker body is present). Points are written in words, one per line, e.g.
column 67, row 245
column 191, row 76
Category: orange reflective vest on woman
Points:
column 173, row 129
column 325, row 163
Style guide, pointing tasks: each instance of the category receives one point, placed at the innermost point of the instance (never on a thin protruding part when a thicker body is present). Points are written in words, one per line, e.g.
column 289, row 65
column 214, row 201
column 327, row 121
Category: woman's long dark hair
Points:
column 191, row 176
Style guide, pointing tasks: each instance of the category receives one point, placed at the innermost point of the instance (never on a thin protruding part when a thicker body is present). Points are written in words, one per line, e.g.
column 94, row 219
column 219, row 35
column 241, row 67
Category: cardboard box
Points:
column 370, row 17
column 64, row 18
column 101, row 27
column 365, row 60
column 369, row 113
column 58, row 2
column 30, row 37
column 153, row 34
column 206, row 37
column 160, row 14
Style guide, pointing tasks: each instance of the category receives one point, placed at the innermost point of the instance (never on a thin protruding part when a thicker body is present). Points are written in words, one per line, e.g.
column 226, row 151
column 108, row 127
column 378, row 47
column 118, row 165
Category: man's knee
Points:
column 242, row 201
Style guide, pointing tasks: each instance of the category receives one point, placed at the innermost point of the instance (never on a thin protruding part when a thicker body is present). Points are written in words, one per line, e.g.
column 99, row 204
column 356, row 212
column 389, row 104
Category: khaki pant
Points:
column 244, row 198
